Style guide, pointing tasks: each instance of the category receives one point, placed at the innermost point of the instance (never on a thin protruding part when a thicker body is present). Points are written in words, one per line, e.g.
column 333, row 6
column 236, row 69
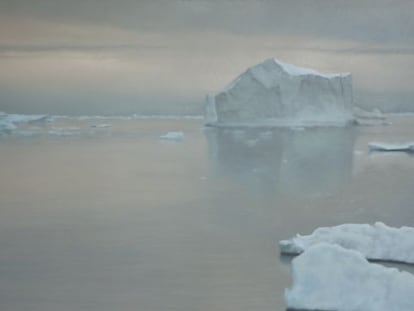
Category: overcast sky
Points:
column 163, row 56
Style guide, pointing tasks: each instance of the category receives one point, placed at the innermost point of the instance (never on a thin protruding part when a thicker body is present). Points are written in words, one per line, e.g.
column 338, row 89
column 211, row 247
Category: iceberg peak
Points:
column 300, row 71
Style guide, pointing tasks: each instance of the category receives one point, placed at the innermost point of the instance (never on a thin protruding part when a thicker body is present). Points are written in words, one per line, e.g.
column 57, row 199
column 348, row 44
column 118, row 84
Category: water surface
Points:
column 116, row 219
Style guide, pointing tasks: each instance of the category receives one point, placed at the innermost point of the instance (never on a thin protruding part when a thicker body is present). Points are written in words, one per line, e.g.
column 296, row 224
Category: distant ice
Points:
column 329, row 277
column 406, row 147
column 10, row 122
column 64, row 131
column 129, row 117
column 176, row 136
column 376, row 241
column 365, row 114
column 101, row 125
column 374, row 117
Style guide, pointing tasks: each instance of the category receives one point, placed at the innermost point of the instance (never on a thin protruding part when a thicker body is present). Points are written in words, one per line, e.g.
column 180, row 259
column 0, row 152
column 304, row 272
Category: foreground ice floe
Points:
column 176, row 136
column 274, row 93
column 329, row 277
column 406, row 147
column 377, row 241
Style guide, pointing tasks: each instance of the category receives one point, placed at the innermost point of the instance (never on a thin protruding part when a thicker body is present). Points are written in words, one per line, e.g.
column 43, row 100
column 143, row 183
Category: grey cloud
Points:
column 361, row 20
column 39, row 48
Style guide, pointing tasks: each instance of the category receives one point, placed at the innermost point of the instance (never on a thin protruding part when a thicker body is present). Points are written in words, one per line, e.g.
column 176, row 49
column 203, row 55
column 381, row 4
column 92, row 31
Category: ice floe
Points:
column 175, row 136
column 10, row 122
column 330, row 277
column 378, row 241
column 101, row 125
column 64, row 131
column 377, row 146
column 369, row 118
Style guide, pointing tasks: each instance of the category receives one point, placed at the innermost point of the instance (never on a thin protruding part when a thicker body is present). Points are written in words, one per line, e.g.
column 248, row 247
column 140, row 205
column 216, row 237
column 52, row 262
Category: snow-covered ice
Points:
column 329, row 277
column 274, row 93
column 406, row 147
column 176, row 136
column 378, row 241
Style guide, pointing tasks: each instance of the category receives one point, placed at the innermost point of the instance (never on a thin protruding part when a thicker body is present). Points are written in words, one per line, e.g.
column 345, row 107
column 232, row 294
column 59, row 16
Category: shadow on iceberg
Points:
column 305, row 163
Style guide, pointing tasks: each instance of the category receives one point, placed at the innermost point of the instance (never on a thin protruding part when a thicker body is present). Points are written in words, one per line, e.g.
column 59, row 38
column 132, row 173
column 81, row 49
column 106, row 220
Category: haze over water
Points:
column 164, row 56
column 101, row 214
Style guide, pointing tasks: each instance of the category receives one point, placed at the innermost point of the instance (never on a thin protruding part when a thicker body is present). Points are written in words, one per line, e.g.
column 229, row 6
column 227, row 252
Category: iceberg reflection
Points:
column 300, row 162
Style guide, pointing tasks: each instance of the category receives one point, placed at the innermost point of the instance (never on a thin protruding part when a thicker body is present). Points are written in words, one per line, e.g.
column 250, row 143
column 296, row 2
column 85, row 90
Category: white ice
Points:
column 65, row 131
column 369, row 118
column 274, row 93
column 329, row 277
column 376, row 146
column 176, row 136
column 300, row 71
column 376, row 241
column 101, row 125
column 10, row 122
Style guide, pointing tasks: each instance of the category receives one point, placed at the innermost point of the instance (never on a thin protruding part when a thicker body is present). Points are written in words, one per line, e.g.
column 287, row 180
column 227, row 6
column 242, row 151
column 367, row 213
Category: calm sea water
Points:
column 116, row 219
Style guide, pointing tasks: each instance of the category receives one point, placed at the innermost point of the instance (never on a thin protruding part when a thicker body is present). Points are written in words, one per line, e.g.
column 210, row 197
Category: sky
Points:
column 117, row 57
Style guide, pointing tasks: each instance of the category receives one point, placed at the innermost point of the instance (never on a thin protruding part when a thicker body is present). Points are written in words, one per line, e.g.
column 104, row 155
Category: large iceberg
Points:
column 274, row 93
column 329, row 277
column 378, row 241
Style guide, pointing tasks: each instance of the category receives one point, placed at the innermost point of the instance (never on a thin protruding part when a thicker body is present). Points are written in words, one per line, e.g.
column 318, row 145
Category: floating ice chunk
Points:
column 10, row 122
column 65, row 131
column 407, row 147
column 329, row 277
column 177, row 136
column 369, row 118
column 366, row 114
column 274, row 93
column 376, row 241
column 102, row 125
column 25, row 118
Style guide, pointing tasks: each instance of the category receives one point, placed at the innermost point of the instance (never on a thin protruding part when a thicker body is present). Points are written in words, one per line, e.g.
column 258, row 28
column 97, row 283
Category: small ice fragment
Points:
column 329, row 277
column 177, row 136
column 376, row 241
column 407, row 147
column 64, row 131
column 102, row 125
